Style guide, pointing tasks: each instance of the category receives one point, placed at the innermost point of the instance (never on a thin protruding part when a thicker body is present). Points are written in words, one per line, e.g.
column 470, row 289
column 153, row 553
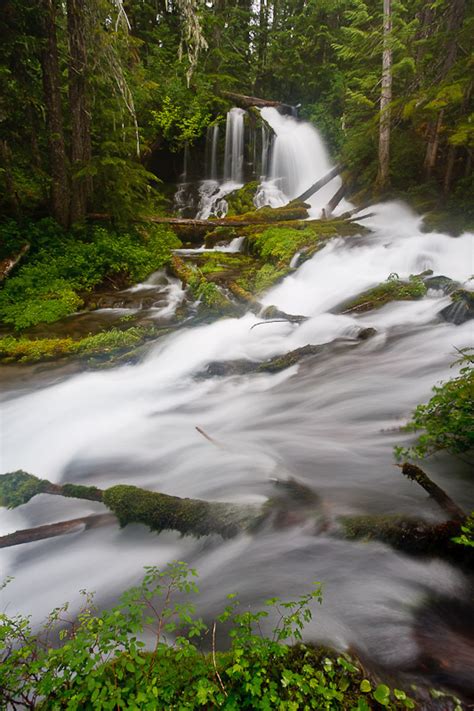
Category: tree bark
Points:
column 51, row 530
column 79, row 109
column 6, row 161
column 335, row 200
column 383, row 177
column 433, row 144
column 60, row 194
column 446, row 504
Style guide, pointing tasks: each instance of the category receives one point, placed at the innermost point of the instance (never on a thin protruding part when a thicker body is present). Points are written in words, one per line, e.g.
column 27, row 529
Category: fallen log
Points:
column 157, row 511
column 247, row 102
column 335, row 200
column 61, row 528
column 320, row 183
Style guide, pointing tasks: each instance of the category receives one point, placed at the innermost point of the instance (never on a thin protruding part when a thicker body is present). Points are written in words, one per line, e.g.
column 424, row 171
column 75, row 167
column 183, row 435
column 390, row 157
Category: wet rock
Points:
column 461, row 308
column 366, row 333
column 441, row 283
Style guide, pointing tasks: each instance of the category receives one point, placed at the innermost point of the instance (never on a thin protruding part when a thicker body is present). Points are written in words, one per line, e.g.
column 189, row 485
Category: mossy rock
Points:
column 220, row 234
column 461, row 308
column 393, row 289
column 292, row 211
column 241, row 201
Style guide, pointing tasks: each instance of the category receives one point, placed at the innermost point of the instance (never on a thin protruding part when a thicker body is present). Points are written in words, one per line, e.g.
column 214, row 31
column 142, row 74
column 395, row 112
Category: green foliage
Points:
column 100, row 661
column 279, row 244
column 63, row 266
column 467, row 536
column 447, row 420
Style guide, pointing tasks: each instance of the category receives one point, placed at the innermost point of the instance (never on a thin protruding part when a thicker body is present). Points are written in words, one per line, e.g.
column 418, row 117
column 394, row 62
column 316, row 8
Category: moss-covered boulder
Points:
column 394, row 289
column 241, row 201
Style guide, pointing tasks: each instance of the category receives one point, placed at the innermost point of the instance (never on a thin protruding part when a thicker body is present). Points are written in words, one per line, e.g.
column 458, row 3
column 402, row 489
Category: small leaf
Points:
column 365, row 686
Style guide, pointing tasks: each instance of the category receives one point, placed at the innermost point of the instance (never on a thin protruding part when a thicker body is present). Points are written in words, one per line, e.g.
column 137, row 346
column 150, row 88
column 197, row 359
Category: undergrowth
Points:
column 63, row 266
column 98, row 660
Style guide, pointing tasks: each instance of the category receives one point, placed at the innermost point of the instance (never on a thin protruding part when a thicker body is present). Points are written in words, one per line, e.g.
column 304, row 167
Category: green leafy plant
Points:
column 447, row 420
column 97, row 660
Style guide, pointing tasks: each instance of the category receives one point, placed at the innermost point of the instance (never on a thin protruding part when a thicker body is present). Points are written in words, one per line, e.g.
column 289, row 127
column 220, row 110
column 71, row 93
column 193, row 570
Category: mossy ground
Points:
column 115, row 341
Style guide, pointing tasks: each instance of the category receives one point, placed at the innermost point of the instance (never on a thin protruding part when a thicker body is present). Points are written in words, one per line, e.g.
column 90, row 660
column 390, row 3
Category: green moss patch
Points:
column 394, row 289
column 241, row 201
column 25, row 350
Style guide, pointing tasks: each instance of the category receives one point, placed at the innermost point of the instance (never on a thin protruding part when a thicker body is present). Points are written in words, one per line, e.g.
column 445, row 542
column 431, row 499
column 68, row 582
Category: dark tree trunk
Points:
column 78, row 104
column 60, row 194
column 6, row 162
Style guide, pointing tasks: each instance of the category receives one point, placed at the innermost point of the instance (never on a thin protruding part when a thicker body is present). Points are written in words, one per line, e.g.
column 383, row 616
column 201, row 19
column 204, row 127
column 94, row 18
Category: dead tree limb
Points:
column 320, row 183
column 9, row 263
column 435, row 492
column 61, row 528
column 335, row 200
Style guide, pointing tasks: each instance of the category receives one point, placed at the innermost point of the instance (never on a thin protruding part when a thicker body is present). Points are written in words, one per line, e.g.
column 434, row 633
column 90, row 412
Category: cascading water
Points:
column 215, row 142
column 332, row 423
column 298, row 158
column 234, row 146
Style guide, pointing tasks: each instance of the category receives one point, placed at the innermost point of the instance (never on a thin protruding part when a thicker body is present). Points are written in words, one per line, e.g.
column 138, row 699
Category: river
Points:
column 331, row 422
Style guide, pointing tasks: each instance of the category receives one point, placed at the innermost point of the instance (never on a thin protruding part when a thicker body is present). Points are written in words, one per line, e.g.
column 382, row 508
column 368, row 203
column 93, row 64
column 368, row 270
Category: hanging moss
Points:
column 188, row 516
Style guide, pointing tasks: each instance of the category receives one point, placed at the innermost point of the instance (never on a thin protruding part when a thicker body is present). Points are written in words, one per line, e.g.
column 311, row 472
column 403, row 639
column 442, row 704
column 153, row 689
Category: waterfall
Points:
column 298, row 158
column 234, row 146
column 215, row 141
column 265, row 149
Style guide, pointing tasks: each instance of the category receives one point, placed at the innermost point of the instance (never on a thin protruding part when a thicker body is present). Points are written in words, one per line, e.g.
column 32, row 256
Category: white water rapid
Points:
column 331, row 422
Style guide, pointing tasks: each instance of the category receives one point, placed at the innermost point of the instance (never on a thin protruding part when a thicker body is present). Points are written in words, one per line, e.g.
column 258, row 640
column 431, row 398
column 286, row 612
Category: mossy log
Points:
column 280, row 362
column 246, row 102
column 445, row 502
column 131, row 504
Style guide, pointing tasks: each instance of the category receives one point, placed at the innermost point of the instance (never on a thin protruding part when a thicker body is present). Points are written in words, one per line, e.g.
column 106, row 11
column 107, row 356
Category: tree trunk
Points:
column 6, row 161
column 433, row 144
column 385, row 99
column 448, row 176
column 60, row 195
column 78, row 105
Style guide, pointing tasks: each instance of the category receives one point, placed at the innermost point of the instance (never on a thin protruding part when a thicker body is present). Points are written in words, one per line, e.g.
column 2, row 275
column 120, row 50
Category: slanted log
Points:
column 335, row 200
column 320, row 183
column 9, row 263
column 61, row 528
column 445, row 502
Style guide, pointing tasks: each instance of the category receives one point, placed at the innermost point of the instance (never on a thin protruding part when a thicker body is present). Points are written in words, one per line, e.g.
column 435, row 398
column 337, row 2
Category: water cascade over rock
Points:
column 331, row 421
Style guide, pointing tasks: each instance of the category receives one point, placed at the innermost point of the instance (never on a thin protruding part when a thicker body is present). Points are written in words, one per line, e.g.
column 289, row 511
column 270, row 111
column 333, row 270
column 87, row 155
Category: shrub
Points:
column 448, row 418
column 99, row 661
column 63, row 266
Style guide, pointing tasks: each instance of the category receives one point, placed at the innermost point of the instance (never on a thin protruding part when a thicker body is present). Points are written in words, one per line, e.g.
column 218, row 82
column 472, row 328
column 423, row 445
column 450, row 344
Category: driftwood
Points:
column 51, row 530
column 319, row 183
column 246, row 102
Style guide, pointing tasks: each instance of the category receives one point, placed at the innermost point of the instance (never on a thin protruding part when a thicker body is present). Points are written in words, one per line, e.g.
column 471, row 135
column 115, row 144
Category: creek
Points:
column 330, row 422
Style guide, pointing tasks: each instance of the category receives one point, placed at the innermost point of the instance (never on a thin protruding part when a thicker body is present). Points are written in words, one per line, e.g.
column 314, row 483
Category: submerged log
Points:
column 320, row 183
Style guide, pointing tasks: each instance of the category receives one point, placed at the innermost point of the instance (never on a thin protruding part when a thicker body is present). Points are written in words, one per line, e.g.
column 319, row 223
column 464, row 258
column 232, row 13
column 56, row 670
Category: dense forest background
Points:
column 96, row 94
